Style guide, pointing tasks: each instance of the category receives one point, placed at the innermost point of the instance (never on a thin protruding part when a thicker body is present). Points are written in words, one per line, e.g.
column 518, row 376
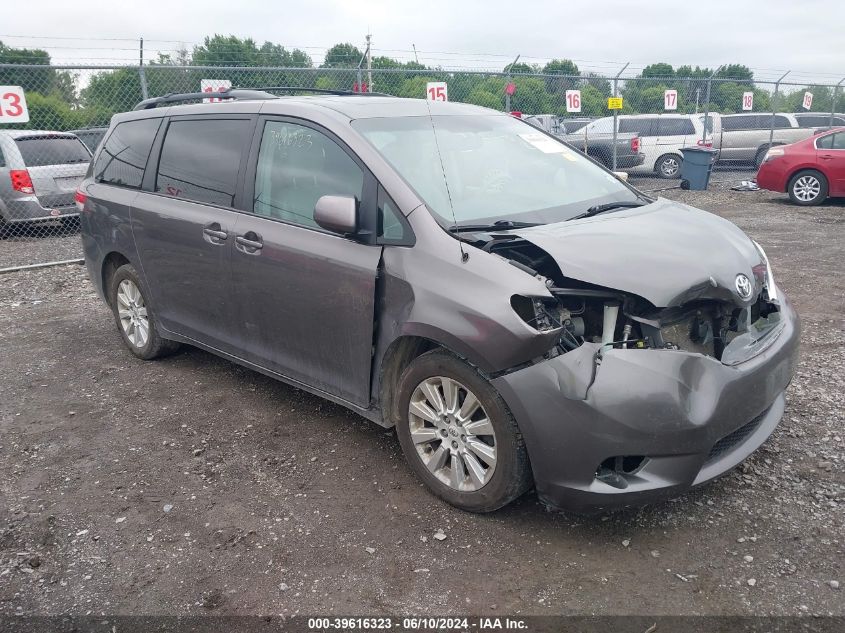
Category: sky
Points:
column 769, row 36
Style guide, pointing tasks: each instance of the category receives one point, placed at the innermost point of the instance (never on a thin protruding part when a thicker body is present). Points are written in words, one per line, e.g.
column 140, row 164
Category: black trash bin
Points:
column 696, row 168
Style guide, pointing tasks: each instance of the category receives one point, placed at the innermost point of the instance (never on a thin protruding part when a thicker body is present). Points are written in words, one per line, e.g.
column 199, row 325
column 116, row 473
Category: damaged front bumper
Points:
column 642, row 425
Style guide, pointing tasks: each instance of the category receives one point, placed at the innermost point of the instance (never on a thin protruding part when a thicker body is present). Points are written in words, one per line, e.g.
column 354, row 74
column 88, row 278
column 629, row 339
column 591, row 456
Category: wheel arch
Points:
column 111, row 262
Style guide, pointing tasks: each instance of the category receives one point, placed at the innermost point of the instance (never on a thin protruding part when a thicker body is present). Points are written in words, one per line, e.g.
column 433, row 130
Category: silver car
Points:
column 39, row 174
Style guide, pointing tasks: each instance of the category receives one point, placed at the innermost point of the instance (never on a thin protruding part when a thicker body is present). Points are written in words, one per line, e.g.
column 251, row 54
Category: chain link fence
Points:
column 43, row 160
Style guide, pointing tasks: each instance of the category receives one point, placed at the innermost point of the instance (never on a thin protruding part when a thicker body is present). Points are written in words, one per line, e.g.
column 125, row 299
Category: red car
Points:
column 809, row 171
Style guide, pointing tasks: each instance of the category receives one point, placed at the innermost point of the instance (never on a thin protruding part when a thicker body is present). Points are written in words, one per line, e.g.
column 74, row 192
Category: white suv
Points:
column 661, row 138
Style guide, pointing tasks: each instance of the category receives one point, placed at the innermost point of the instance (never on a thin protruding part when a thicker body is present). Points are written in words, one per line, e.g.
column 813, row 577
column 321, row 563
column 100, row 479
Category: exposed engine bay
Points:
column 618, row 320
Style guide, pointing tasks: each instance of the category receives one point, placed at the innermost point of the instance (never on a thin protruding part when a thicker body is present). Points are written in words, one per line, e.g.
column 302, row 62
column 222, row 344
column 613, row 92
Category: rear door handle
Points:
column 250, row 242
column 214, row 233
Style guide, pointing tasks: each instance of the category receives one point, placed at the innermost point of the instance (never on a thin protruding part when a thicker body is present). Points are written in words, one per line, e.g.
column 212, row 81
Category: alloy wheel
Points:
column 670, row 166
column 133, row 313
column 452, row 433
column 807, row 188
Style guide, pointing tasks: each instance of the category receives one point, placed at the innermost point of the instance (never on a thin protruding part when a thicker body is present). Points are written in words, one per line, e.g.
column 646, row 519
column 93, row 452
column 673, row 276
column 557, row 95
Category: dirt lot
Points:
column 192, row 486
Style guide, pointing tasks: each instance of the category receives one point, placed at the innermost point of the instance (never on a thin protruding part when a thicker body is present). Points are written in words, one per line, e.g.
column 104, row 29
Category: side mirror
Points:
column 337, row 213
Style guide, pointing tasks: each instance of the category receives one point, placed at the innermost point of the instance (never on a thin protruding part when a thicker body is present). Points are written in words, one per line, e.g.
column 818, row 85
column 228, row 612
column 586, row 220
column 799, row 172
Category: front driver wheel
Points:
column 458, row 436
column 808, row 188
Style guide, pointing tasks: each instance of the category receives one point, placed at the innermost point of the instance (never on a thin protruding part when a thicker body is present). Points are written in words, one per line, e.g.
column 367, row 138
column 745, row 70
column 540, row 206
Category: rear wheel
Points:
column 458, row 436
column 135, row 317
column 668, row 166
column 808, row 188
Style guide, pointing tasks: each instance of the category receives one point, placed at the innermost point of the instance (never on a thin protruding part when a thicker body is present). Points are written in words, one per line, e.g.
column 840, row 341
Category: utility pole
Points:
column 833, row 102
column 369, row 65
column 707, row 104
column 616, row 112
column 774, row 107
column 141, row 75
column 416, row 57
column 507, row 94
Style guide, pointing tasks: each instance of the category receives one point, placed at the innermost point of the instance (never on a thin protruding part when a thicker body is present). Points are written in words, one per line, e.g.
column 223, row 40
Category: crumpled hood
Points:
column 666, row 252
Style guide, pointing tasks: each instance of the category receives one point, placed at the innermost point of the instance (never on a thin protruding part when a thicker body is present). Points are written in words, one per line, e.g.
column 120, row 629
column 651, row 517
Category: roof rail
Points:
column 234, row 93
column 324, row 91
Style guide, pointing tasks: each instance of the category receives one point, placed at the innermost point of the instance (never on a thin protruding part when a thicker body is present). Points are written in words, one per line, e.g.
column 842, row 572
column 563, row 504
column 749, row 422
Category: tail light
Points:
column 635, row 144
column 21, row 181
column 703, row 143
column 79, row 198
column 517, row 114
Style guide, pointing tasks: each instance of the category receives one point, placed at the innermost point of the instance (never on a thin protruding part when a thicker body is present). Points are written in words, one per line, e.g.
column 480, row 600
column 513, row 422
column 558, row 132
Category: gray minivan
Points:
column 520, row 315
column 39, row 174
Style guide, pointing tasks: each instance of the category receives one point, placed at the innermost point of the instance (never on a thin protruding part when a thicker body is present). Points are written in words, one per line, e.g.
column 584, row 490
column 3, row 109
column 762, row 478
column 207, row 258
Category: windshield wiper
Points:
column 608, row 206
column 498, row 225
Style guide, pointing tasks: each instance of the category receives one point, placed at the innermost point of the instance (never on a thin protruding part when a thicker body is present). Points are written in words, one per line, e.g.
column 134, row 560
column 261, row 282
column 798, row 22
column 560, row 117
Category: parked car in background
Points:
column 661, row 137
column 810, row 171
column 520, row 315
column 819, row 120
column 91, row 136
column 39, row 174
column 599, row 147
column 572, row 125
column 744, row 138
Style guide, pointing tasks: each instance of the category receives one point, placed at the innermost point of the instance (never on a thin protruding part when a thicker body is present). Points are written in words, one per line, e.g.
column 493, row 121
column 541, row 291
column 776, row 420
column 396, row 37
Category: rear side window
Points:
column 832, row 141
column 124, row 155
column 39, row 151
column 643, row 127
column 744, row 122
column 200, row 160
column 296, row 166
column 782, row 122
column 675, row 127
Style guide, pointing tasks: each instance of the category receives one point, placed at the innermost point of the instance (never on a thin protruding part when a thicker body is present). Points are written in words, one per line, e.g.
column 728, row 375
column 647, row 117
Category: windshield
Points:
column 497, row 168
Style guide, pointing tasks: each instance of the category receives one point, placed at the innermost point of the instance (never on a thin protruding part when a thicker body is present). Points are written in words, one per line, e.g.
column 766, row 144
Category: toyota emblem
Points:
column 743, row 287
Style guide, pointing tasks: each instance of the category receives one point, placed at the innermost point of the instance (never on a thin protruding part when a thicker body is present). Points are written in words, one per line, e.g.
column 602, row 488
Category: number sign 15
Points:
column 13, row 105
column 436, row 91
column 573, row 100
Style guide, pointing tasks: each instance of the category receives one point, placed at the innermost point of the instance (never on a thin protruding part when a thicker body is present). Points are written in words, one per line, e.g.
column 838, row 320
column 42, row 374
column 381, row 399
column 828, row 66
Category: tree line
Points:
column 60, row 99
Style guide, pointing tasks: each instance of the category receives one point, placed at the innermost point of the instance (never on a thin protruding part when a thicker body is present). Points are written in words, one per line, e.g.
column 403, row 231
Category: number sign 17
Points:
column 670, row 100
column 436, row 91
column 573, row 100
column 13, row 105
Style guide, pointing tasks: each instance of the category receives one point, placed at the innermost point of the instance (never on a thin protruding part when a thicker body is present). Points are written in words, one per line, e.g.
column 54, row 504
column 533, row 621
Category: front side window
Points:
column 469, row 169
column 297, row 165
column 642, row 127
column 675, row 127
column 200, row 160
column 124, row 155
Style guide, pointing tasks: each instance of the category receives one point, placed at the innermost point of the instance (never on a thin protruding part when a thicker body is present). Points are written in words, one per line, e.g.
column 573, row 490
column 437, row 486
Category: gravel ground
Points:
column 193, row 486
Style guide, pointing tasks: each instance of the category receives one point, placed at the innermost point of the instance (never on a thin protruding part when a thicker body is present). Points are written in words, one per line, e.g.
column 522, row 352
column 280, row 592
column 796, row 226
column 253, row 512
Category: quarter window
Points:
column 124, row 155
column 296, row 166
column 200, row 160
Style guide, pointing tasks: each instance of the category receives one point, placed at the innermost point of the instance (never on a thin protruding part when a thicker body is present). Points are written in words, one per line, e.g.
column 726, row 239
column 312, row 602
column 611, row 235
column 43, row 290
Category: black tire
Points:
column 154, row 346
column 668, row 166
column 511, row 476
column 800, row 186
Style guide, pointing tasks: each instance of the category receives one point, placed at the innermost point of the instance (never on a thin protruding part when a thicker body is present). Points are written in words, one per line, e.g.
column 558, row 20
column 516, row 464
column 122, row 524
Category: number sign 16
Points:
column 573, row 100
column 436, row 91
column 747, row 100
column 13, row 105
column 670, row 100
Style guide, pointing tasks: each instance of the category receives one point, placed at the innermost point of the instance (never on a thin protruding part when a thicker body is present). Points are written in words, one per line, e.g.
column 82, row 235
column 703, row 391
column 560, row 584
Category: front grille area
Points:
column 732, row 440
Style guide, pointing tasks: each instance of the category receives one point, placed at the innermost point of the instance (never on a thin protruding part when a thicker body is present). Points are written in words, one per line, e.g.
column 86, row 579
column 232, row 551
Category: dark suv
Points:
column 519, row 314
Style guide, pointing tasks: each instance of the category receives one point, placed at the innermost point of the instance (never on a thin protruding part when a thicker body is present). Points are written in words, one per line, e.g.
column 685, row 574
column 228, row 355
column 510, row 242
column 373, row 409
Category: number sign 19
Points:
column 436, row 91
column 670, row 100
column 808, row 100
column 573, row 100
column 13, row 105
column 747, row 100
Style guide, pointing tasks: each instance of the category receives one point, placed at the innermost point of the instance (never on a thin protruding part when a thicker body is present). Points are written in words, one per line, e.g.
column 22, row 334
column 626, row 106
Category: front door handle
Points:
column 214, row 233
column 826, row 157
column 250, row 242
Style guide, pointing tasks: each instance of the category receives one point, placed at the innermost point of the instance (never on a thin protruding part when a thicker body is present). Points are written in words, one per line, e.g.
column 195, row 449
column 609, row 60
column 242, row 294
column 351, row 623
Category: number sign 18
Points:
column 13, row 105
column 747, row 100
column 573, row 100
column 436, row 91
